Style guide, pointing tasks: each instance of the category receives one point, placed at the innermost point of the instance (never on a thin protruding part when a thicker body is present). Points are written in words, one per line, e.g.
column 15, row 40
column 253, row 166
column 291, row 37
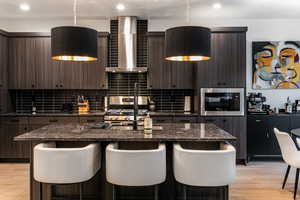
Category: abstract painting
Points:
column 275, row 65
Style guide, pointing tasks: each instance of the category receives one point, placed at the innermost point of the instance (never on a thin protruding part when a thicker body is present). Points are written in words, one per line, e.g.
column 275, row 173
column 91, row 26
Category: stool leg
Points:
column 113, row 192
column 156, row 190
column 184, row 192
column 41, row 191
column 80, row 191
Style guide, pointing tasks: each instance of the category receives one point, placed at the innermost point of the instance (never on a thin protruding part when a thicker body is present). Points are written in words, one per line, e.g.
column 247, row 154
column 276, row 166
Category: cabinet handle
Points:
column 224, row 83
column 184, row 121
column 150, row 86
column 103, row 85
column 174, row 86
column 14, row 120
column 32, row 85
column 53, row 120
column 61, row 85
column 56, row 86
column 224, row 120
column 218, row 83
column 268, row 135
column 1, row 85
column 209, row 120
column 90, row 120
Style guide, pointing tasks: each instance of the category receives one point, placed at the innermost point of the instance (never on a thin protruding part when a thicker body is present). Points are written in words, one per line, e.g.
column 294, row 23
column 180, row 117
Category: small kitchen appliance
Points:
column 222, row 101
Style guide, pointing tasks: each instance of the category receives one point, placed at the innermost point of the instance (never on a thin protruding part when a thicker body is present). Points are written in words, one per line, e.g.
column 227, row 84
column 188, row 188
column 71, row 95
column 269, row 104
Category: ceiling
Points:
column 157, row 9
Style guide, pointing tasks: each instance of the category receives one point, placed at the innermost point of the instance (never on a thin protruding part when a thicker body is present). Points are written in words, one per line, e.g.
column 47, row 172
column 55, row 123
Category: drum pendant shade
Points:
column 73, row 43
column 187, row 43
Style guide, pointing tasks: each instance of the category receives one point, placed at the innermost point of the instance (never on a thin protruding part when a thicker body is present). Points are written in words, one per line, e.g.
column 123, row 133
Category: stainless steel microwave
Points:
column 222, row 101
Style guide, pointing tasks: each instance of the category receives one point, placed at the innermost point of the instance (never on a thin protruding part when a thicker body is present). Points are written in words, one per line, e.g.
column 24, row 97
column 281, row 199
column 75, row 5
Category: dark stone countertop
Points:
column 171, row 132
column 92, row 114
column 95, row 114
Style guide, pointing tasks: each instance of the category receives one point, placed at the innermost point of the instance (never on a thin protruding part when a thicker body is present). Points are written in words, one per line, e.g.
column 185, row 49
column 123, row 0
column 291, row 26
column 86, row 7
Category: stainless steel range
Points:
column 120, row 109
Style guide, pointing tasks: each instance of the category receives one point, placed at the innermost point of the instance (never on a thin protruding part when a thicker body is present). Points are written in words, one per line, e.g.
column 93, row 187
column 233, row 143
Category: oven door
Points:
column 222, row 101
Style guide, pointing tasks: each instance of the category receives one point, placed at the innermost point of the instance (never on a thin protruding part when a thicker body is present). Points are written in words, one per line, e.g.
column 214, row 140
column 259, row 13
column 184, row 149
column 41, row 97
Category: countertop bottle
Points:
column 148, row 124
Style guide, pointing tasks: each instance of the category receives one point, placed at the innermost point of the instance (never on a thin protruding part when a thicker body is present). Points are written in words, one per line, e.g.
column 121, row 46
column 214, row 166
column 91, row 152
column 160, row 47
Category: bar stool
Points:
column 65, row 165
column 290, row 154
column 204, row 168
column 135, row 167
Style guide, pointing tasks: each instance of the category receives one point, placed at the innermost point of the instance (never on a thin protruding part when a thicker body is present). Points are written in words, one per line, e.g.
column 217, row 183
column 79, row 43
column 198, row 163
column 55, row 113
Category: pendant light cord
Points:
column 188, row 9
column 75, row 12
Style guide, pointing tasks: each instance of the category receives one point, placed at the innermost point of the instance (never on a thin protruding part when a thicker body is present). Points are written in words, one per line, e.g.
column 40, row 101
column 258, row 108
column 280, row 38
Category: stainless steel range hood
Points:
column 127, row 41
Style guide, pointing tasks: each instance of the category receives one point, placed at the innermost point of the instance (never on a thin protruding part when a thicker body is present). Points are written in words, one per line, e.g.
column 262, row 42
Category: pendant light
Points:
column 74, row 43
column 187, row 43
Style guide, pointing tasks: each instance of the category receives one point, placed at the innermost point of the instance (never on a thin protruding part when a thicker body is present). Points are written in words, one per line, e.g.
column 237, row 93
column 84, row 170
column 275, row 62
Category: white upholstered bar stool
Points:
column 135, row 167
column 204, row 168
column 65, row 165
column 290, row 154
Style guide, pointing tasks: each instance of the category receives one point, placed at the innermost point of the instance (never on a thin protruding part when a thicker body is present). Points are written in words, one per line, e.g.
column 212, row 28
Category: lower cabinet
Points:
column 9, row 128
column 236, row 126
column 262, row 141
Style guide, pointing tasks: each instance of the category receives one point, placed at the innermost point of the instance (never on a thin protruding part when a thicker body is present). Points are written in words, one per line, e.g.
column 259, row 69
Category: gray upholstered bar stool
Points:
column 135, row 167
column 204, row 168
column 65, row 165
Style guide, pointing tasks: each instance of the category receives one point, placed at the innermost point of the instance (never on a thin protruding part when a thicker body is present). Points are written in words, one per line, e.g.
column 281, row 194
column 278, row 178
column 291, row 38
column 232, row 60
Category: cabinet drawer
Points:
column 15, row 120
column 162, row 119
column 91, row 119
column 185, row 120
column 49, row 120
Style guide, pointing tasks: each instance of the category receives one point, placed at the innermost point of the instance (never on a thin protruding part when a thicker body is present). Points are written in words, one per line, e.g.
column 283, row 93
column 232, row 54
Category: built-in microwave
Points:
column 222, row 101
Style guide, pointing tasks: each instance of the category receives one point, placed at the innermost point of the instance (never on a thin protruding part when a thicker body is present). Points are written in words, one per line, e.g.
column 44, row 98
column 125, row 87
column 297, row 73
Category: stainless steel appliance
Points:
column 127, row 47
column 222, row 101
column 120, row 110
column 256, row 104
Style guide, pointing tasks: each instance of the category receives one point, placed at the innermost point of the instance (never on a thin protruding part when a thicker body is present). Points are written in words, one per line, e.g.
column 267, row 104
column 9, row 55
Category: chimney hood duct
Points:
column 127, row 47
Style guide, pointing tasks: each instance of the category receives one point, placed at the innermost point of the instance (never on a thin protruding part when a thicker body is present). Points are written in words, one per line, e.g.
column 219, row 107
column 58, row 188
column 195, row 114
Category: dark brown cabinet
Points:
column 166, row 74
column 261, row 138
column 235, row 126
column 9, row 128
column 227, row 66
column 31, row 66
column 3, row 73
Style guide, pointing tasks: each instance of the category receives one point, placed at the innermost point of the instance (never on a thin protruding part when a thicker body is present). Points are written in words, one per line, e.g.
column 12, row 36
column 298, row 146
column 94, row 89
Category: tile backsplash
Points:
column 51, row 101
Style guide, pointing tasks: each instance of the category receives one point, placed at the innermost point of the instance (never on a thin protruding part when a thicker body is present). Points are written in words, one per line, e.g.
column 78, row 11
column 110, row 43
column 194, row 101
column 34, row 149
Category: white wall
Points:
column 258, row 30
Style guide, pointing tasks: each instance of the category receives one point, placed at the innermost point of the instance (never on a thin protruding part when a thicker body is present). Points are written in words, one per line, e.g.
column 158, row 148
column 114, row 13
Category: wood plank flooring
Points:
column 257, row 181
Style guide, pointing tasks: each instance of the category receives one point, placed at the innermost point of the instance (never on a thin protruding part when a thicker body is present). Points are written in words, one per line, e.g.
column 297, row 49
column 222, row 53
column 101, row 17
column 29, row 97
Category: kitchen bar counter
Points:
column 100, row 113
column 85, row 132
column 195, row 135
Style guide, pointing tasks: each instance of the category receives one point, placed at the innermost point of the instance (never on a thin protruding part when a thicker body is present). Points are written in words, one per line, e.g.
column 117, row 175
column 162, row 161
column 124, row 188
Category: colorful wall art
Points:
column 276, row 65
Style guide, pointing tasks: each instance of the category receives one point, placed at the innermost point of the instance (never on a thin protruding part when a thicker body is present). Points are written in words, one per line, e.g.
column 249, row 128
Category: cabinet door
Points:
column 239, row 125
column 94, row 76
column 159, row 70
column 258, row 136
column 3, row 73
column 183, row 74
column 22, row 58
column 283, row 124
column 294, row 122
column 227, row 66
column 9, row 148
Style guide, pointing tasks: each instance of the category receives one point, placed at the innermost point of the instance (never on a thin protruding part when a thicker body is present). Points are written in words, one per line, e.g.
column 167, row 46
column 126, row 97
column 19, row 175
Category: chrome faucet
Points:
column 135, row 109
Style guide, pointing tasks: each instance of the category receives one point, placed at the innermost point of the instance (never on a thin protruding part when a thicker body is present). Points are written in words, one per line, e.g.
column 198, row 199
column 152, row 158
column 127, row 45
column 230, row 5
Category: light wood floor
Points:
column 257, row 181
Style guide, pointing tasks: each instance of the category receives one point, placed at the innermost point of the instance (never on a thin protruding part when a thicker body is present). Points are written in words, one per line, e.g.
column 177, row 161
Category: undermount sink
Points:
column 130, row 128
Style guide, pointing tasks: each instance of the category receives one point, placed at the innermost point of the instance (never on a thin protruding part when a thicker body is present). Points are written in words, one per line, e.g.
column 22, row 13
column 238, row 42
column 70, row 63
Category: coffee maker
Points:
column 256, row 104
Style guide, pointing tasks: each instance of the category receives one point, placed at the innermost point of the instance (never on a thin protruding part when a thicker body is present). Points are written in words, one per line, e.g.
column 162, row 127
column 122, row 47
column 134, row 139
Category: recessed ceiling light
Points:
column 217, row 5
column 120, row 6
column 24, row 6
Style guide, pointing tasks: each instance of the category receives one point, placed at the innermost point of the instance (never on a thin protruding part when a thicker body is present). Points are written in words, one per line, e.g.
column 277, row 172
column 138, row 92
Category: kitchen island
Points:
column 194, row 135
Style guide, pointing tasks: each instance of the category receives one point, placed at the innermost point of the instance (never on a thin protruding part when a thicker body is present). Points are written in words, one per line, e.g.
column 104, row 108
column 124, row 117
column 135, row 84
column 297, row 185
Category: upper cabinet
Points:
column 31, row 66
column 227, row 66
column 164, row 74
